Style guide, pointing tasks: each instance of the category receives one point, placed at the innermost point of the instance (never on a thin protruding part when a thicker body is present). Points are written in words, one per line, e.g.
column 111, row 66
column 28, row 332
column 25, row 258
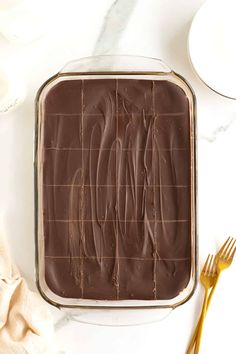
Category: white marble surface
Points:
column 157, row 28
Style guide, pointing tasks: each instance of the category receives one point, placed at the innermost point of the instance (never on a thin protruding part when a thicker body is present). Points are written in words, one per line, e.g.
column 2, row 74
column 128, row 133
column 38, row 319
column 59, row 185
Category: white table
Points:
column 157, row 28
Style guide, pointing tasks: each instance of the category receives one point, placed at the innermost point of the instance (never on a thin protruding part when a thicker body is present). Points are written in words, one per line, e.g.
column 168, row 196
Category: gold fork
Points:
column 223, row 260
column 208, row 279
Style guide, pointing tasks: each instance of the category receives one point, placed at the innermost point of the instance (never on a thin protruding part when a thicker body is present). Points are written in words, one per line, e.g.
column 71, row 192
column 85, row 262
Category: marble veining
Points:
column 211, row 137
column 115, row 22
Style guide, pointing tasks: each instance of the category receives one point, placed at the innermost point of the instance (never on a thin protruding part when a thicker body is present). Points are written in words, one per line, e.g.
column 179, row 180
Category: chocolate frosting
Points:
column 116, row 189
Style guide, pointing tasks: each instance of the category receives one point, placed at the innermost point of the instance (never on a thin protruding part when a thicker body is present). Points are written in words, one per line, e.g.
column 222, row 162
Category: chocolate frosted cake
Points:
column 115, row 181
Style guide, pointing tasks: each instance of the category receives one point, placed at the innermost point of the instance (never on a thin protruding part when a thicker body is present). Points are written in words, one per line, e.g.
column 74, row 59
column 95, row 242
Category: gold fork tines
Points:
column 223, row 260
column 208, row 272
column 225, row 256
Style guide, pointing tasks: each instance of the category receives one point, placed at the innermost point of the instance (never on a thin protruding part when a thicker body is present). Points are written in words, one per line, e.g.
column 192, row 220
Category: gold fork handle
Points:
column 191, row 344
column 201, row 322
column 193, row 339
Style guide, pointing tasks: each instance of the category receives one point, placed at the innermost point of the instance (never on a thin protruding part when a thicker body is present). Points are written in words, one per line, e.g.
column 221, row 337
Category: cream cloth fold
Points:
column 26, row 324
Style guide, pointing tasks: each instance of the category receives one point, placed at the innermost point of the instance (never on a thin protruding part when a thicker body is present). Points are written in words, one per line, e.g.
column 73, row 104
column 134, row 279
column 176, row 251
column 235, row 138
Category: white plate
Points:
column 212, row 45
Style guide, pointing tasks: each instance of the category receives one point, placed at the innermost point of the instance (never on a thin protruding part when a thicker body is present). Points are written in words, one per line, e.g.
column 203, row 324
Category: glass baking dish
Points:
column 125, row 71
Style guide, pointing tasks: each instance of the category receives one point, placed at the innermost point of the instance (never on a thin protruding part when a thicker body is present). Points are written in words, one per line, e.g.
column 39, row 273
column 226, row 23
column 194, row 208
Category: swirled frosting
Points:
column 116, row 189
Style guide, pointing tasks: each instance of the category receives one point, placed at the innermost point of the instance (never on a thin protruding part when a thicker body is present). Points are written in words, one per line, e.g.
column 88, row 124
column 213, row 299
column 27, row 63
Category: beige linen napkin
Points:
column 26, row 324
